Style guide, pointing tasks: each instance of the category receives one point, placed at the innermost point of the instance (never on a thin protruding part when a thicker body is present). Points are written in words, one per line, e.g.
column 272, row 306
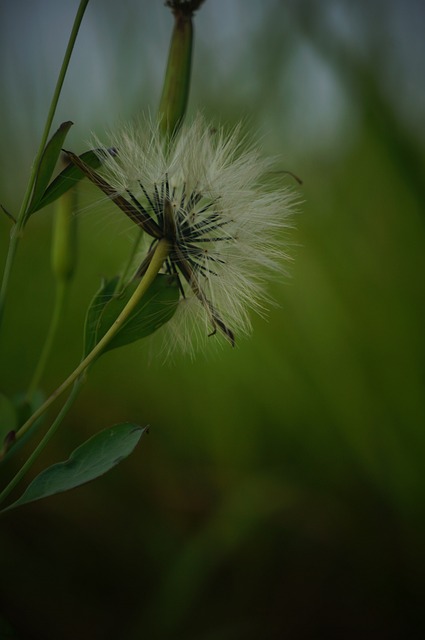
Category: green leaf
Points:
column 47, row 165
column 156, row 308
column 95, row 457
column 68, row 178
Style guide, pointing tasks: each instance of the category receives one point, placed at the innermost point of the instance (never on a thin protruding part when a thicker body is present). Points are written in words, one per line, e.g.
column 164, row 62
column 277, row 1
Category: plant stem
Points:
column 155, row 265
column 61, row 291
column 11, row 252
column 130, row 260
column 44, row 441
column 18, row 228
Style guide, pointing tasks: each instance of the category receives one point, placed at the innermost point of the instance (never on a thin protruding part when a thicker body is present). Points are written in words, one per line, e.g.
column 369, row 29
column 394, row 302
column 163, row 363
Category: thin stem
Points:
column 130, row 260
column 155, row 265
column 11, row 252
column 61, row 291
column 17, row 230
column 44, row 441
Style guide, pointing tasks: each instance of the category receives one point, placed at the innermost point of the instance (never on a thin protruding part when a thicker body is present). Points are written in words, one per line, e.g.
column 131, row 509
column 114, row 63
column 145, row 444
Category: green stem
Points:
column 61, row 291
column 18, row 228
column 43, row 442
column 155, row 265
column 130, row 261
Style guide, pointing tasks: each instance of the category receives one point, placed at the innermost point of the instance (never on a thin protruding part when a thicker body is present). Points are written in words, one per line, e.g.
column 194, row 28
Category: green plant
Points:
column 205, row 218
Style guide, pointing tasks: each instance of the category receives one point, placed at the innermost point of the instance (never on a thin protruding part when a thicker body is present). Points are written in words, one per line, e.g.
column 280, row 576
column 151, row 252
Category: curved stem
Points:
column 18, row 228
column 130, row 261
column 61, row 290
column 44, row 441
column 155, row 265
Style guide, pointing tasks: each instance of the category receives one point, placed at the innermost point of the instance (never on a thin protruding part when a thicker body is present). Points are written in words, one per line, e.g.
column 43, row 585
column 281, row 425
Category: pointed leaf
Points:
column 95, row 457
column 47, row 164
column 157, row 306
column 68, row 178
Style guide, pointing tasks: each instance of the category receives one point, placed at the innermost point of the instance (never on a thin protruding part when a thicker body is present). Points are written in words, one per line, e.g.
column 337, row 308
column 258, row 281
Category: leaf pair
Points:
column 45, row 193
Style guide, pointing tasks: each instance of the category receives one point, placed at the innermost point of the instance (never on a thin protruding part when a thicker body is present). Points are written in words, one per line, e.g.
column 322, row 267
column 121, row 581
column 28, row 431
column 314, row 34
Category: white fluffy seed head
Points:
column 229, row 227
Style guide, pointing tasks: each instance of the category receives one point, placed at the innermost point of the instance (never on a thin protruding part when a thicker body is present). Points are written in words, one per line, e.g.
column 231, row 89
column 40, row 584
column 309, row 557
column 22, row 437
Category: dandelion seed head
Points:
column 206, row 193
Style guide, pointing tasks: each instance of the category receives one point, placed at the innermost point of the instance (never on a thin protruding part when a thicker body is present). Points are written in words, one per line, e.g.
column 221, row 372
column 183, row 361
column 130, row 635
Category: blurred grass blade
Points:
column 67, row 179
column 92, row 459
column 47, row 165
column 156, row 308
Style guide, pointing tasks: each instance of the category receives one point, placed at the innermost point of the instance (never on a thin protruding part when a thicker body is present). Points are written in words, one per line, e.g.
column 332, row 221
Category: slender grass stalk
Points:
column 60, row 297
column 63, row 262
column 126, row 271
column 17, row 230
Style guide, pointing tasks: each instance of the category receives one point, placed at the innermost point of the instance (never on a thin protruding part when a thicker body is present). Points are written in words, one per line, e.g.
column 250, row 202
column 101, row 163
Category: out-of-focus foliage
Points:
column 280, row 492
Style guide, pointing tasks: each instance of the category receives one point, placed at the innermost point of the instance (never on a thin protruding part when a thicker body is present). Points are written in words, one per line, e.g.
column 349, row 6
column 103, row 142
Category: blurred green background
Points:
column 280, row 493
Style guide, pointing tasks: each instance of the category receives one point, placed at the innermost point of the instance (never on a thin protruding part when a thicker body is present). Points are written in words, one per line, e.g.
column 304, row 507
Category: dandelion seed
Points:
column 205, row 194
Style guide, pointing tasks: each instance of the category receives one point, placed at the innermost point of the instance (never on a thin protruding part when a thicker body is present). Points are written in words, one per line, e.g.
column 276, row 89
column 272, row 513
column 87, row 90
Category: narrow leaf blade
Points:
column 68, row 178
column 47, row 164
column 92, row 459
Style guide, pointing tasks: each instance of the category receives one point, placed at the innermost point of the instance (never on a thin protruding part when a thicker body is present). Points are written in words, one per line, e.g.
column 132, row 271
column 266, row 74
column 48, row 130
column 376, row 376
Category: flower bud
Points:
column 64, row 244
column 175, row 92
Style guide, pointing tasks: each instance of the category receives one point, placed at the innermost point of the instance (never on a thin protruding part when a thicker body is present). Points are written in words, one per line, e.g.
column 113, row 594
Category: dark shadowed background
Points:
column 280, row 493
